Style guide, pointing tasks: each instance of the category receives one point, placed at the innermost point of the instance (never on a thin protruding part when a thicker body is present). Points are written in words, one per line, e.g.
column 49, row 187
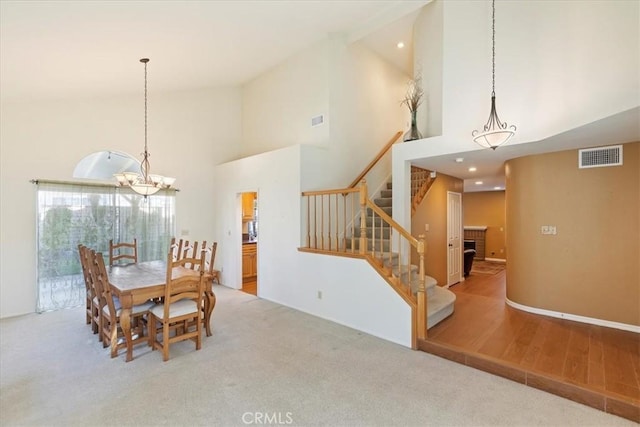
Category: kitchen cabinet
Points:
column 249, row 260
column 247, row 205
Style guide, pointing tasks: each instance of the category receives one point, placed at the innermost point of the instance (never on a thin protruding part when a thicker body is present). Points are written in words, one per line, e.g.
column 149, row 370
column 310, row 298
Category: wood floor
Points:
column 594, row 365
column 250, row 286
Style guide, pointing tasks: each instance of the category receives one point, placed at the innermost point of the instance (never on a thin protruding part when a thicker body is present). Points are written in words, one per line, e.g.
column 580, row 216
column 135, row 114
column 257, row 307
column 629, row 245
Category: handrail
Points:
column 376, row 159
column 325, row 192
column 397, row 227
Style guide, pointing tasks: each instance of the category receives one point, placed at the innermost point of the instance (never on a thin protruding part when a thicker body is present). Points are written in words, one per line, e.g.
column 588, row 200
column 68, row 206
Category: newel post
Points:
column 363, row 217
column 422, row 295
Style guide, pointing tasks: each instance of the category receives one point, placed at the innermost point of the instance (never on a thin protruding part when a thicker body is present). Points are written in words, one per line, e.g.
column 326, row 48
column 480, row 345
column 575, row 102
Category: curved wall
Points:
column 591, row 267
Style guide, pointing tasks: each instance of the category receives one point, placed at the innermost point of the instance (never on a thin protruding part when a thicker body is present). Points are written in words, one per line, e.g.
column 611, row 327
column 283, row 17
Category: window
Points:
column 71, row 214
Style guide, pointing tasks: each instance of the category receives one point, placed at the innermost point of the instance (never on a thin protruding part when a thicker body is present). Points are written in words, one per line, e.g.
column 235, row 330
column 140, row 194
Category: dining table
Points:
column 137, row 283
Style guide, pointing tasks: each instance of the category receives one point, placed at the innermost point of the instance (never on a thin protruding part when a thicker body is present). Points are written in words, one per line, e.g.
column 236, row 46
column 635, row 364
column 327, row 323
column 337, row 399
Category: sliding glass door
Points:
column 72, row 214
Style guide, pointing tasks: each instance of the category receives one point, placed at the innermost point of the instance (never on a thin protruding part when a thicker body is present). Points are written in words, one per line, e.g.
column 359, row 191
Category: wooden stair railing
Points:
column 332, row 216
column 421, row 182
column 421, row 179
column 376, row 159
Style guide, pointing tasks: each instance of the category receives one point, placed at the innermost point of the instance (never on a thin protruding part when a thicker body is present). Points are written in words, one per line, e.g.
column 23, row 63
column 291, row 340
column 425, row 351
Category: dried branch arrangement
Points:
column 413, row 97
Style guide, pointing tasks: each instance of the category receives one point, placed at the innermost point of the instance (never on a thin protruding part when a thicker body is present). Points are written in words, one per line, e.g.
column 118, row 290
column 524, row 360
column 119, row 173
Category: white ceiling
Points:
column 83, row 48
column 92, row 48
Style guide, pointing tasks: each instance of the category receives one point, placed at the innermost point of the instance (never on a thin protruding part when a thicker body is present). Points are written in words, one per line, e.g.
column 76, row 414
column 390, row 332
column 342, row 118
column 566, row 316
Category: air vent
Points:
column 600, row 157
column 317, row 120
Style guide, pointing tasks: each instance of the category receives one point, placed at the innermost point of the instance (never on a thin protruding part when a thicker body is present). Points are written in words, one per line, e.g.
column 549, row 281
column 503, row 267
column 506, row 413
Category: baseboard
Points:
column 575, row 317
column 500, row 260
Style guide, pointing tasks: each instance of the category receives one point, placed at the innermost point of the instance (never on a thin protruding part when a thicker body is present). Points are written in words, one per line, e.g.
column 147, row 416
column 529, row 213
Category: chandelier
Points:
column 495, row 133
column 144, row 183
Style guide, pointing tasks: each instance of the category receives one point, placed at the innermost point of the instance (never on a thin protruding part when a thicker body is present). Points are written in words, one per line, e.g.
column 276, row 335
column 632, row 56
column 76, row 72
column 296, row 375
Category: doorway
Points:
column 454, row 238
column 250, row 238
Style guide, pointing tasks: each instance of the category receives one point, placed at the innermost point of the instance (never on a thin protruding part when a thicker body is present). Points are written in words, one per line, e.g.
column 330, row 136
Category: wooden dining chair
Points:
column 184, row 249
column 92, row 300
column 123, row 251
column 110, row 328
column 180, row 311
column 209, row 255
column 190, row 250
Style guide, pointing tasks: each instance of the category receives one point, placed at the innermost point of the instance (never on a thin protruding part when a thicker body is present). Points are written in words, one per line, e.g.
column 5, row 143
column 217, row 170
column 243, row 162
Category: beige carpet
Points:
column 265, row 364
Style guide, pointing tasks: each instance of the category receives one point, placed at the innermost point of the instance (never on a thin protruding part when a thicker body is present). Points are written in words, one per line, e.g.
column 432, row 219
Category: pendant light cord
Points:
column 145, row 107
column 144, row 165
column 493, row 48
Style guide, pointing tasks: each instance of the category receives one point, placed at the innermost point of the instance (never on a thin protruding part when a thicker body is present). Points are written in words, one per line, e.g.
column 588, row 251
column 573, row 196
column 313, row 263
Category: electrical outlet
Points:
column 319, row 294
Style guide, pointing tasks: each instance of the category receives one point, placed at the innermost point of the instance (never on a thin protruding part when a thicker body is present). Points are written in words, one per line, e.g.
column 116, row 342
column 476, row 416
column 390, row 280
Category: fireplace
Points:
column 475, row 238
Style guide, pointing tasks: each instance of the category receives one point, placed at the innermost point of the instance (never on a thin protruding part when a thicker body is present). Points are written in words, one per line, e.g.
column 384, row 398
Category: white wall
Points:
column 365, row 110
column 559, row 65
column 428, row 60
column 358, row 92
column 353, row 293
column 188, row 133
column 278, row 105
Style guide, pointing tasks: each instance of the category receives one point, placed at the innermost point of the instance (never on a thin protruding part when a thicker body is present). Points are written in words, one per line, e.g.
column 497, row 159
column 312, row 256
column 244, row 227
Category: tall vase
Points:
column 413, row 132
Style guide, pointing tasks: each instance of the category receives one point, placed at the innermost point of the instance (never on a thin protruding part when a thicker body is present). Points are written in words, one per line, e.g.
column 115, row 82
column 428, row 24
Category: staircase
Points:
column 347, row 222
column 440, row 301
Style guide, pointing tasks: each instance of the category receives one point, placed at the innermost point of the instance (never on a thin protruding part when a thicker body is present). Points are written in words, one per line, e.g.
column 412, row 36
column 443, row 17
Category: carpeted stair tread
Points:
column 369, row 219
column 383, row 201
column 387, row 209
column 430, row 284
column 386, row 244
column 386, row 232
column 439, row 306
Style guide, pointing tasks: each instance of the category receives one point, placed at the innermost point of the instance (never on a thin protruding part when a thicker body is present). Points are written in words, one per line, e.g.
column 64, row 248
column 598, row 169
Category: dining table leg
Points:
column 125, row 323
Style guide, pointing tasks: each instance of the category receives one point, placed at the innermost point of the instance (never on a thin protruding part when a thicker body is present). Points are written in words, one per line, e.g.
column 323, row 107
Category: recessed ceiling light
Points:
column 479, row 183
column 459, row 159
column 497, row 188
column 400, row 45
column 472, row 169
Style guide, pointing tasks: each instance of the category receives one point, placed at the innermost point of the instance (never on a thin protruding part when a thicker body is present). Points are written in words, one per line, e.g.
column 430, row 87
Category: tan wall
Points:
column 433, row 211
column 487, row 208
column 591, row 267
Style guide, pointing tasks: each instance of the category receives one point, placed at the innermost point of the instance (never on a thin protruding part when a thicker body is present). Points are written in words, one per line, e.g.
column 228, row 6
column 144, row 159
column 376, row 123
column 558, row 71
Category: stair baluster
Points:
column 363, row 217
column 421, row 295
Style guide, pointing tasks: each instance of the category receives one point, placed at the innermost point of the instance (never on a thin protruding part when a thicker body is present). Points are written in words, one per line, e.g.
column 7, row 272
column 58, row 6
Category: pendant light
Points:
column 495, row 133
column 144, row 183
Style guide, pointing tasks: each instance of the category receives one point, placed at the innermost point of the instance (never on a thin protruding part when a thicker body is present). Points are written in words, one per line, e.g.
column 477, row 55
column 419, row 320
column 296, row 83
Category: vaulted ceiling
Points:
column 84, row 48
column 61, row 49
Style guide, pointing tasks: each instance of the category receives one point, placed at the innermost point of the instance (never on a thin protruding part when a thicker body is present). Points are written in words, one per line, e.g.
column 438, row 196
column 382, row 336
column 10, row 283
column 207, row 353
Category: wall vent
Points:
column 600, row 157
column 317, row 120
